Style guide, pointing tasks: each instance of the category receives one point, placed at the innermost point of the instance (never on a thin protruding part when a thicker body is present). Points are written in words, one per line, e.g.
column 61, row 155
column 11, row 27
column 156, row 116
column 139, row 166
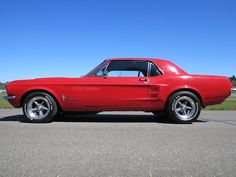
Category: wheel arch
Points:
column 39, row 90
column 185, row 89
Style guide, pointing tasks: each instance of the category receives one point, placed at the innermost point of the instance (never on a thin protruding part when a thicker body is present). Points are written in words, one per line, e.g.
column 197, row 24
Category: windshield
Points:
column 91, row 72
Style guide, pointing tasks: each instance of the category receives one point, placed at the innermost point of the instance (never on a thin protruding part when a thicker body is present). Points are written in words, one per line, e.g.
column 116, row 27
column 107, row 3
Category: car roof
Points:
column 146, row 59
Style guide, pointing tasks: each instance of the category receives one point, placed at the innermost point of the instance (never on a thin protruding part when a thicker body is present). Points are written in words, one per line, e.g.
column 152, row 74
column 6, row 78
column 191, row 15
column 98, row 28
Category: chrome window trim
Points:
column 149, row 69
column 106, row 67
column 94, row 70
column 130, row 61
column 102, row 66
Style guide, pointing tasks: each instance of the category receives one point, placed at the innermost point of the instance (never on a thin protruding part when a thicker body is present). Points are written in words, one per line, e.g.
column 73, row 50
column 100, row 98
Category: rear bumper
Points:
column 9, row 97
column 233, row 91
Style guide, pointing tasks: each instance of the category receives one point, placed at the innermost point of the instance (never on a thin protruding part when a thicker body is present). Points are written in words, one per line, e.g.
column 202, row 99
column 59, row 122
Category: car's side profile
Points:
column 123, row 84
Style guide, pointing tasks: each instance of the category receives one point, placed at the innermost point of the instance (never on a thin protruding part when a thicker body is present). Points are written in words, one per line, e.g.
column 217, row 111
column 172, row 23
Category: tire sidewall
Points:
column 171, row 106
column 53, row 107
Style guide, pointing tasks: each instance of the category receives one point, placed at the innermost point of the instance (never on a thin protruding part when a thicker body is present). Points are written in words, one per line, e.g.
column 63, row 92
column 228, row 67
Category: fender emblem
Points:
column 63, row 97
column 69, row 99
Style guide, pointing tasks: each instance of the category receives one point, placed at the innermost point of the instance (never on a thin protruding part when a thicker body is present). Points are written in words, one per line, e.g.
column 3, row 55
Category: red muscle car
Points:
column 123, row 84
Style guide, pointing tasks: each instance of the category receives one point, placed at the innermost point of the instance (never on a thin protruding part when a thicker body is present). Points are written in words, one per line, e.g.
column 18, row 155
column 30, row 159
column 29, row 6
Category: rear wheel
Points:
column 39, row 107
column 184, row 107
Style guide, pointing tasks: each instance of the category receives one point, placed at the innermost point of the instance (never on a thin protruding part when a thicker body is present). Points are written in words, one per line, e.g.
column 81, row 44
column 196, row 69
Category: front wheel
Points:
column 39, row 107
column 184, row 107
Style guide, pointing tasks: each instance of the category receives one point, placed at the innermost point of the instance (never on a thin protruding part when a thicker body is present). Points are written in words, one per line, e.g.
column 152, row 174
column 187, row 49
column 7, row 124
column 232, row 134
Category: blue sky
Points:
column 44, row 38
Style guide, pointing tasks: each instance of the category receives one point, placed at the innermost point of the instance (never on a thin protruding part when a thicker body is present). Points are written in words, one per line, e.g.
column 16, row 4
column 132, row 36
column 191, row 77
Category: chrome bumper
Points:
column 9, row 97
column 233, row 91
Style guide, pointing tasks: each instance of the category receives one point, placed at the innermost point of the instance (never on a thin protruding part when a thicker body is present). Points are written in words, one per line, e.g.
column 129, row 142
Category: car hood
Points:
column 48, row 80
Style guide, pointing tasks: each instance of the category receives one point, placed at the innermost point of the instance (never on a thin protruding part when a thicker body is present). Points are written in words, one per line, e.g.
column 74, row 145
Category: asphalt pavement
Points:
column 113, row 144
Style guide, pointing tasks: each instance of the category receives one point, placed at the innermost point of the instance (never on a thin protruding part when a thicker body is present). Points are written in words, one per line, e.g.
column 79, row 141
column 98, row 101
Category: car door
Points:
column 120, row 85
column 156, row 83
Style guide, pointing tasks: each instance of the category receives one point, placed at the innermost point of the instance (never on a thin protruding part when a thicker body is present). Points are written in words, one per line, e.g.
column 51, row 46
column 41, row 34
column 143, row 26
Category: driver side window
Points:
column 125, row 74
column 127, row 69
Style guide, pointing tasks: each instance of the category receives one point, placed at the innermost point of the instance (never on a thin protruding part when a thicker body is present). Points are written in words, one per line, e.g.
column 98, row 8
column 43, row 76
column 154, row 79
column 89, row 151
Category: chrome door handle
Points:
column 143, row 79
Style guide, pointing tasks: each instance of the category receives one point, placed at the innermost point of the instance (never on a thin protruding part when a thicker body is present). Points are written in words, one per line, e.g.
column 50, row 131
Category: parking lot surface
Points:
column 113, row 144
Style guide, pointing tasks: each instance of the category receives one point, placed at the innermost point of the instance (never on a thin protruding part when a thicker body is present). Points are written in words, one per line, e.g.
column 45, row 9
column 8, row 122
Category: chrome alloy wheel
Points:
column 38, row 108
column 185, row 108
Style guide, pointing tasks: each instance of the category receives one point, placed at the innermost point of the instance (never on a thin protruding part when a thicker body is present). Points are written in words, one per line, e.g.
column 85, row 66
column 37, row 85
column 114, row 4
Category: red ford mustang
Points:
column 124, row 84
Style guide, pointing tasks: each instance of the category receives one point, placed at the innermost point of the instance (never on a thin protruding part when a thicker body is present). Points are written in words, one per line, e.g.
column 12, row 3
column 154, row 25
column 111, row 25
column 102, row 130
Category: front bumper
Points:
column 9, row 97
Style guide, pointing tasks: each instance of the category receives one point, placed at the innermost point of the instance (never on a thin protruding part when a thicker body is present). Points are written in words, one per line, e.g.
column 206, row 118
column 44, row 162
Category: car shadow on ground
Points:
column 100, row 118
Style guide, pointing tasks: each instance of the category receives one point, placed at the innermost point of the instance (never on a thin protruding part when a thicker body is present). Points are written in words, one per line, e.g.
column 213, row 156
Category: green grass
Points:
column 232, row 97
column 4, row 103
column 227, row 105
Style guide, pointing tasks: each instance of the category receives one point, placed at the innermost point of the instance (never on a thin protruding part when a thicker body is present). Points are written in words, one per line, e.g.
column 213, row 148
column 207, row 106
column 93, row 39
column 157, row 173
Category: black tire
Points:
column 39, row 107
column 183, row 107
